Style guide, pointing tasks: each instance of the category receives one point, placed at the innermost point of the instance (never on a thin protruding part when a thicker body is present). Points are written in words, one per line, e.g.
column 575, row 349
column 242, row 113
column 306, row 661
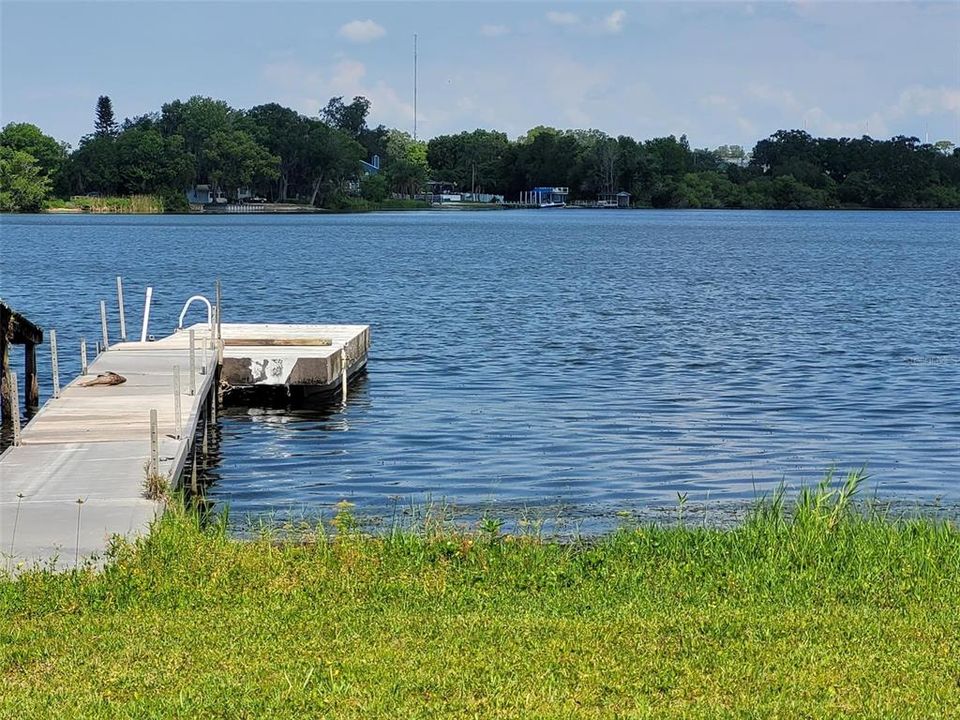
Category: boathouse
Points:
column 548, row 195
column 613, row 200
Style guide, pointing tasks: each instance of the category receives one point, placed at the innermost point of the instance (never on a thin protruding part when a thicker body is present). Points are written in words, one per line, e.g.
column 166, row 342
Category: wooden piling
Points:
column 6, row 385
column 193, row 469
column 15, row 329
column 31, row 385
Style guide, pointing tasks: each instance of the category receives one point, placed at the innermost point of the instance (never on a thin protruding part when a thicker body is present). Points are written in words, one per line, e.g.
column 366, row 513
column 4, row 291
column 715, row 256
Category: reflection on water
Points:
column 589, row 362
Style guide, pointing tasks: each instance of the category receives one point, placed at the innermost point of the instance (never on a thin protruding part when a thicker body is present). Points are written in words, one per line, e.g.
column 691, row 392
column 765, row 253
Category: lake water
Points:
column 592, row 361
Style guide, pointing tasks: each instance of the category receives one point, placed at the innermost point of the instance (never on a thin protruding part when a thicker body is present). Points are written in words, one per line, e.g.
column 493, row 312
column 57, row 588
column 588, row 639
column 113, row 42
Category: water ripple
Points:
column 592, row 361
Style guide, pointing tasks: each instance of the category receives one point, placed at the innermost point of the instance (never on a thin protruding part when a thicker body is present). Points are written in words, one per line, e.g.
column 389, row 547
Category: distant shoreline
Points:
column 458, row 208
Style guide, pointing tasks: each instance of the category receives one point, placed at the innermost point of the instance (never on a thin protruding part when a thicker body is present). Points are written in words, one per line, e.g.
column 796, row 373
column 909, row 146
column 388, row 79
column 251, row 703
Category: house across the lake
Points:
column 613, row 199
column 546, row 196
column 199, row 195
column 205, row 195
column 372, row 167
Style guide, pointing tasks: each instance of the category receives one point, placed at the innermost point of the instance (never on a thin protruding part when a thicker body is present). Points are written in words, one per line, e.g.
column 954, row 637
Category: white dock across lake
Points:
column 94, row 443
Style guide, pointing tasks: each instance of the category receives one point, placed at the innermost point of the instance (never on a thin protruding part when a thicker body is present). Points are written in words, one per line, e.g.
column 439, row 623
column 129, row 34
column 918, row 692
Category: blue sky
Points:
column 721, row 72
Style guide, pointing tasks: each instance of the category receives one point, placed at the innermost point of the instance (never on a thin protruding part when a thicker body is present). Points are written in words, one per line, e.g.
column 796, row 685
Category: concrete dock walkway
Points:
column 93, row 443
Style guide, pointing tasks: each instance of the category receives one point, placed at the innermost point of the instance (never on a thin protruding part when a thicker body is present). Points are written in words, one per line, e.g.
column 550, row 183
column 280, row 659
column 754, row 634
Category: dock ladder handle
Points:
column 186, row 306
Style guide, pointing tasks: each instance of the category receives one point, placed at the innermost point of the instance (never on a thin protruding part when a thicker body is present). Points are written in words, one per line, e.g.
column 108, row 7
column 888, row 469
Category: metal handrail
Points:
column 186, row 306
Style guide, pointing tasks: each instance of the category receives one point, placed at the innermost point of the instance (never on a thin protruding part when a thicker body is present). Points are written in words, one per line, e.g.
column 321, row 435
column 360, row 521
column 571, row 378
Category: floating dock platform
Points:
column 76, row 474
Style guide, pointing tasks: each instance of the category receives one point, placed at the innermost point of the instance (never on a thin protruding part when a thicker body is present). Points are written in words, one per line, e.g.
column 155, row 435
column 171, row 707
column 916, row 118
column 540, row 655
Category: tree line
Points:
column 285, row 156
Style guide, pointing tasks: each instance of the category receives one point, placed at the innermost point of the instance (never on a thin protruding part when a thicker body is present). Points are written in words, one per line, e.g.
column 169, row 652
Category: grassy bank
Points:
column 815, row 611
column 131, row 205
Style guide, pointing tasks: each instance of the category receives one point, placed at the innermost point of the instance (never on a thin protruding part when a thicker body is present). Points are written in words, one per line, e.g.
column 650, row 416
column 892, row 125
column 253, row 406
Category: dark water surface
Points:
column 595, row 360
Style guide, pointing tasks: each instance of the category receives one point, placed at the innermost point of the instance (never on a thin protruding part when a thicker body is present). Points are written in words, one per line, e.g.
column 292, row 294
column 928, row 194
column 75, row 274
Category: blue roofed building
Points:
column 547, row 196
column 372, row 167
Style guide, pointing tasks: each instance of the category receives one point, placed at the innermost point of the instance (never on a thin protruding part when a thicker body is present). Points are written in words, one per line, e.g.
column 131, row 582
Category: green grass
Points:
column 133, row 204
column 812, row 609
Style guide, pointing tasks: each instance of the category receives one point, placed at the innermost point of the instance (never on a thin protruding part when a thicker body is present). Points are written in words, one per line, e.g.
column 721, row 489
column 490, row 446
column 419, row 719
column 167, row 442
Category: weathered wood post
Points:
column 193, row 469
column 31, row 385
column 6, row 336
column 83, row 356
column 213, row 400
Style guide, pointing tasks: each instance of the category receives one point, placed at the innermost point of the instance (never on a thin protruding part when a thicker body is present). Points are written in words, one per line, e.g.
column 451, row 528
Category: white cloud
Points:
column 782, row 99
column 362, row 31
column 563, row 18
column 921, row 100
column 719, row 103
column 494, row 30
column 817, row 122
column 613, row 23
column 308, row 88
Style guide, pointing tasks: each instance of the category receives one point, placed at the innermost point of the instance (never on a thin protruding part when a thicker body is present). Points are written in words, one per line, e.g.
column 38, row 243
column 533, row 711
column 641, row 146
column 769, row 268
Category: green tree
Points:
column 374, row 188
column 406, row 166
column 198, row 120
column 23, row 184
column 331, row 158
column 669, row 157
column 283, row 132
column 471, row 160
column 51, row 156
column 105, row 124
column 93, row 166
column 944, row 147
column 147, row 162
column 349, row 118
column 235, row 160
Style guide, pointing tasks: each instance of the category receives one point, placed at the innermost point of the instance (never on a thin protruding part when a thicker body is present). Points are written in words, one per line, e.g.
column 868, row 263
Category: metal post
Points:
column 55, row 366
column 343, row 374
column 123, row 319
column 103, row 324
column 219, row 300
column 15, row 408
column 83, row 356
column 193, row 364
column 177, row 407
column 219, row 320
column 154, row 444
column 146, row 315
